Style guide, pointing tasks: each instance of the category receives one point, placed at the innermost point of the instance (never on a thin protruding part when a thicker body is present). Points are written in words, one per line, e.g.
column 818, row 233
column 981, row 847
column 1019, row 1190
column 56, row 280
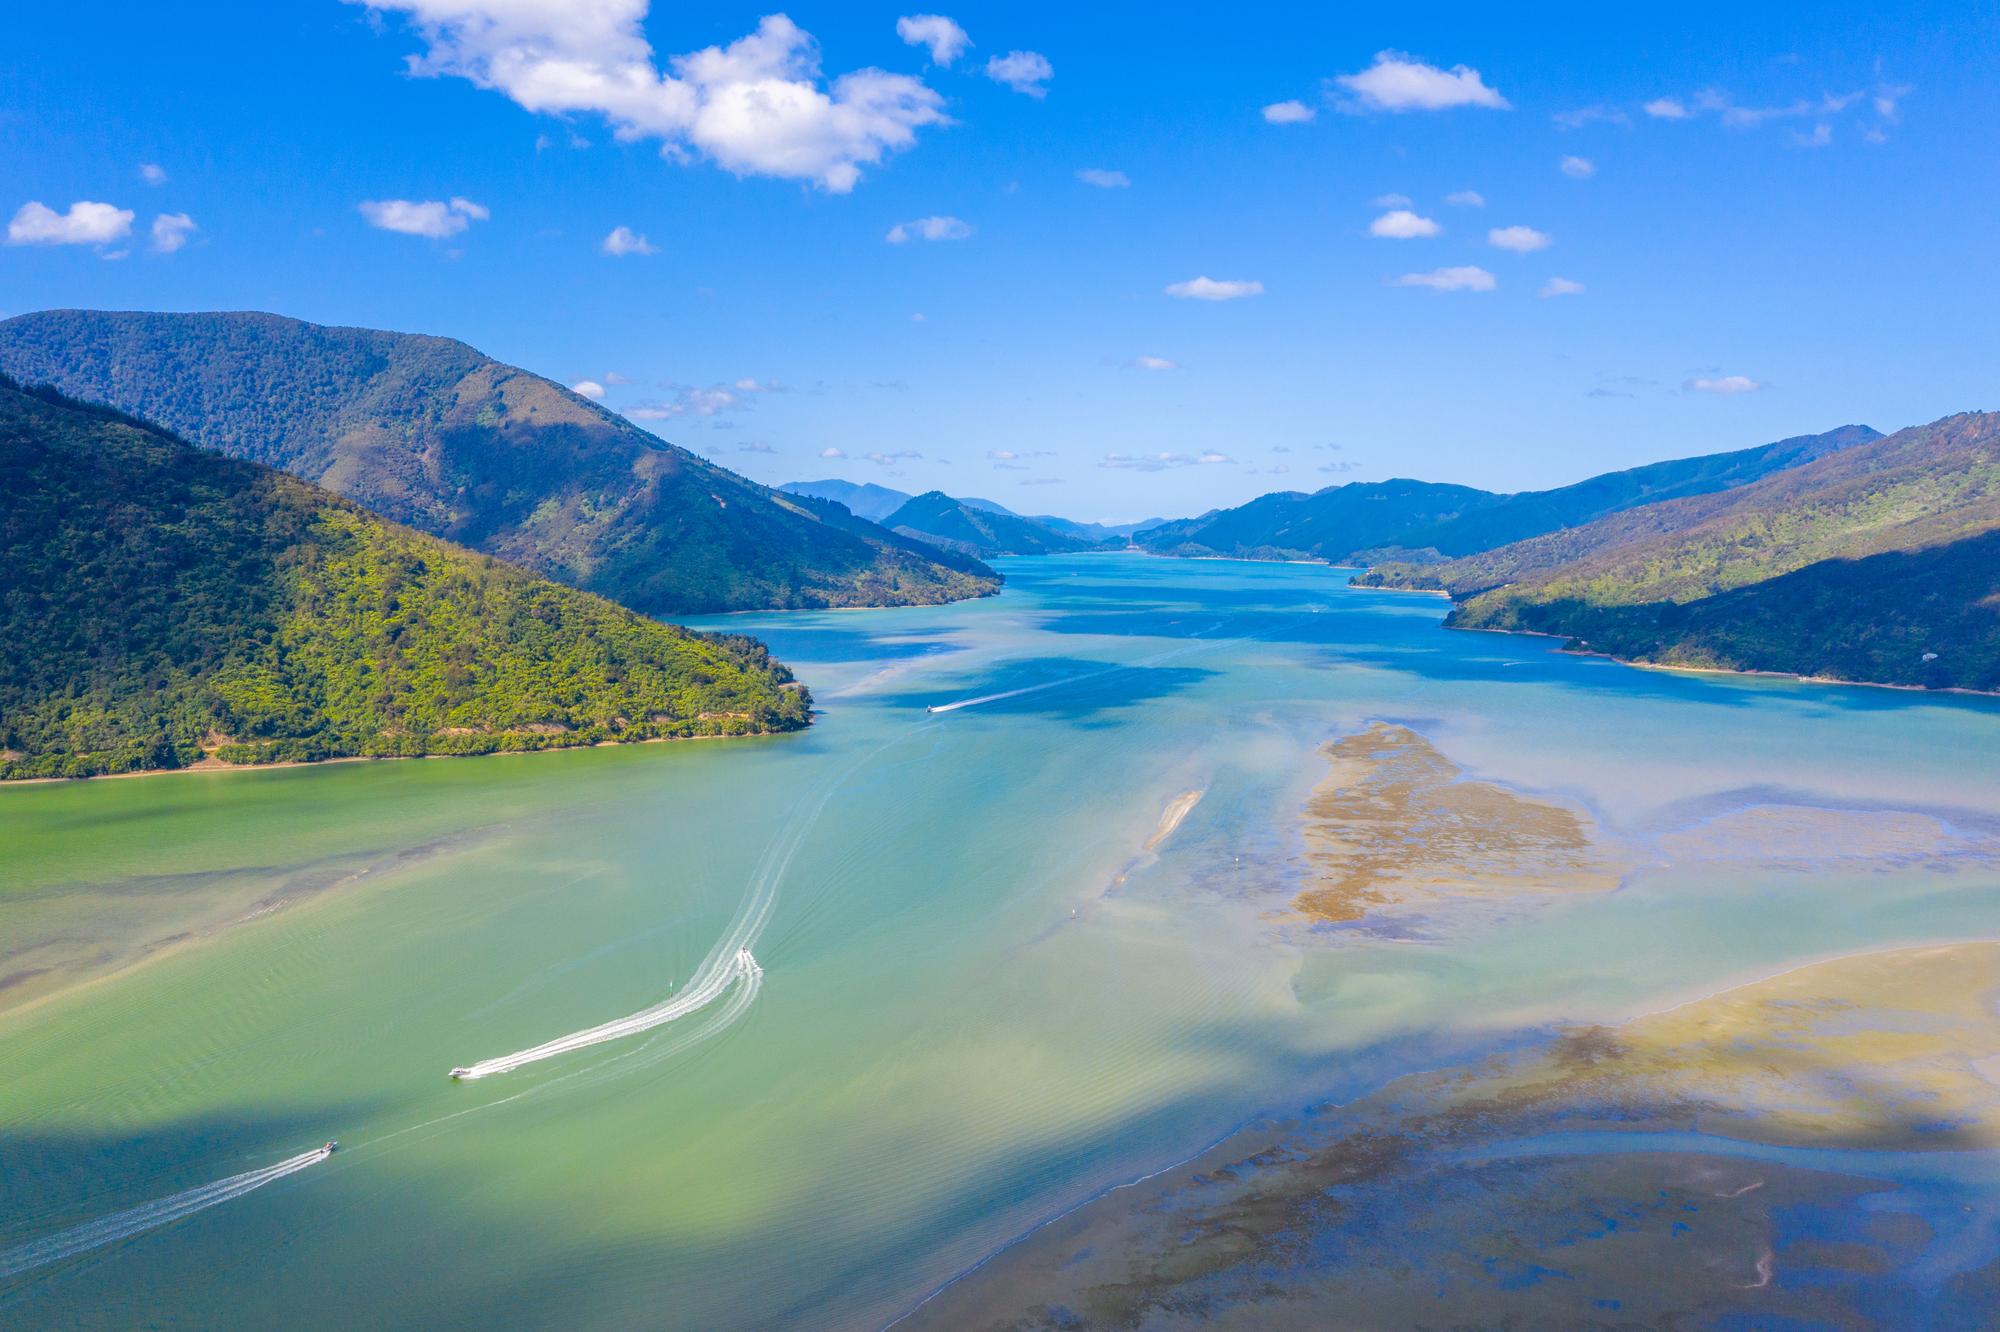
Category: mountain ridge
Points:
column 430, row 432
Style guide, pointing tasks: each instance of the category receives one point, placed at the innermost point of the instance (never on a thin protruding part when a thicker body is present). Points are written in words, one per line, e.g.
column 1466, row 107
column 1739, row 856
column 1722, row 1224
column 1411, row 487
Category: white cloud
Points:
column 1402, row 224
column 623, row 241
column 1820, row 137
column 85, row 223
column 1578, row 168
column 1104, row 180
column 1160, row 462
column 430, row 218
column 1212, row 289
column 588, row 388
column 615, row 378
column 891, row 459
column 1155, row 363
column 930, row 229
column 754, row 446
column 1292, row 112
column 1463, row 278
column 171, row 231
column 1521, row 240
column 832, row 453
column 1023, row 71
column 1392, row 201
column 707, row 402
column 152, row 173
column 1466, row 199
column 946, row 40
column 1723, row 384
column 1666, row 108
column 1590, row 115
column 757, row 107
column 1560, row 286
column 1398, row 82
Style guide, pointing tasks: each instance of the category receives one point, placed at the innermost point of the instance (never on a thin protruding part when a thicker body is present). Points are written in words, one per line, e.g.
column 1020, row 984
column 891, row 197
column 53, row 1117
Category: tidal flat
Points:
column 1044, row 1026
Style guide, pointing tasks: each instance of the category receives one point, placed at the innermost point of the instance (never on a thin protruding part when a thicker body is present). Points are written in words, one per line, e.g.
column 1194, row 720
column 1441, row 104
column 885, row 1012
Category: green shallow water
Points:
column 966, row 1023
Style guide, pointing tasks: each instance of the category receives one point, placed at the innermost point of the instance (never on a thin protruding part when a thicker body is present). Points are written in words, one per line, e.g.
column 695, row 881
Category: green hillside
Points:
column 431, row 433
column 162, row 603
column 1419, row 522
column 1854, row 566
column 940, row 520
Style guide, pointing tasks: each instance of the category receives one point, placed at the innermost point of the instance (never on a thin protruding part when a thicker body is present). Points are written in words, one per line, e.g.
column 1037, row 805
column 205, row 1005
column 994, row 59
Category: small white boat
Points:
column 458, row 1073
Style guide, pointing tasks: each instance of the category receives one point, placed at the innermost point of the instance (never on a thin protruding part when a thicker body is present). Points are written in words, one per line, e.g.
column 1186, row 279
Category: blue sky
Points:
column 1798, row 204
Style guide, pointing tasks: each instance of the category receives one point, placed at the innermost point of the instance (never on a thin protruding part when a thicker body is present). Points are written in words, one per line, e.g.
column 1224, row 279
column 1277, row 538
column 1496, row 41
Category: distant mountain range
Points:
column 429, row 432
column 880, row 503
column 1877, row 561
column 1365, row 522
column 163, row 605
column 965, row 525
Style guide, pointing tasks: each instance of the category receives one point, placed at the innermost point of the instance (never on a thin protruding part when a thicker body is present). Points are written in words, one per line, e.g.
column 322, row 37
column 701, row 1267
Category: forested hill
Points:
column 1874, row 563
column 937, row 518
column 1416, row 521
column 431, row 433
column 162, row 603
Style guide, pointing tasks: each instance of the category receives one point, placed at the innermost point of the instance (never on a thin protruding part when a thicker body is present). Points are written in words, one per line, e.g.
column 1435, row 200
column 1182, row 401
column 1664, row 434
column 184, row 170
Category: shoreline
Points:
column 211, row 766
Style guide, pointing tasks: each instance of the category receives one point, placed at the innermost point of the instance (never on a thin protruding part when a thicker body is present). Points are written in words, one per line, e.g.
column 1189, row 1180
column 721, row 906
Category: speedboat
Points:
column 458, row 1073
column 330, row 1148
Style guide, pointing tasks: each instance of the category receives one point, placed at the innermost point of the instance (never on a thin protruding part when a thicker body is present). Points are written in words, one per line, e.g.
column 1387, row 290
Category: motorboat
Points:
column 458, row 1073
column 331, row 1147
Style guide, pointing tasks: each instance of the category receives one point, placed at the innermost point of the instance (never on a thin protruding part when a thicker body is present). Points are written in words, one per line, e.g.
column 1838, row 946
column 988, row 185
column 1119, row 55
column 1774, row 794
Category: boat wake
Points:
column 709, row 984
column 149, row 1216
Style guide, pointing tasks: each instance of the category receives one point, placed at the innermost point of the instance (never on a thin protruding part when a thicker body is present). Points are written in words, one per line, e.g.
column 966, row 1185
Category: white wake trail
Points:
column 148, row 1216
column 708, row 986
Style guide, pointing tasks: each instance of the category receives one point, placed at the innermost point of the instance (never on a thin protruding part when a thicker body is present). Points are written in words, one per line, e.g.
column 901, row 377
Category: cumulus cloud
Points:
column 152, row 173
column 1398, row 82
column 588, row 388
column 1820, row 136
column 1154, row 363
column 1521, row 240
column 1463, row 278
column 890, row 459
column 756, row 107
column 431, row 218
column 832, row 453
column 1292, row 112
column 945, row 40
column 171, row 231
column 1725, row 384
column 1392, row 201
column 1466, row 199
column 1024, row 71
column 1160, row 462
column 623, row 241
column 930, row 229
column 1402, row 224
column 86, row 223
column 1578, row 168
column 1666, row 108
column 1104, row 180
column 1213, row 289
column 1560, row 286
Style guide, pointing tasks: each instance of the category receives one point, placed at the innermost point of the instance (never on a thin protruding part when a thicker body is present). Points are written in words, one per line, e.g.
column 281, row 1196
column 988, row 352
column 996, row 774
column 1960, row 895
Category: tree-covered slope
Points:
column 1928, row 617
column 160, row 602
column 431, row 433
column 1509, row 518
column 937, row 518
column 1819, row 569
column 1420, row 522
column 1334, row 524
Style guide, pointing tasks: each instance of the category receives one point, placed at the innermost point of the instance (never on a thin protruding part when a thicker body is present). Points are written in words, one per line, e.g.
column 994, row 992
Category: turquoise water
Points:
column 981, row 1001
